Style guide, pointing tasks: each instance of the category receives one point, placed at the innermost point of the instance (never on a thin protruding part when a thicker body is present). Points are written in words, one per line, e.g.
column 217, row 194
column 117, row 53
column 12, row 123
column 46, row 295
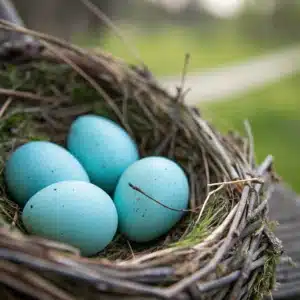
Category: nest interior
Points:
column 223, row 248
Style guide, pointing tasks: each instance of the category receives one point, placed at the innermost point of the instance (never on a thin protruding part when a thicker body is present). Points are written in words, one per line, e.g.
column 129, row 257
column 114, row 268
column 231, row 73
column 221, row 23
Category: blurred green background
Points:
column 216, row 33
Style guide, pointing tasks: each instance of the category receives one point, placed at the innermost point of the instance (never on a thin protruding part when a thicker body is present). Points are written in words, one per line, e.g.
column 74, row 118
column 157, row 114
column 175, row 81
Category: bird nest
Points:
column 223, row 248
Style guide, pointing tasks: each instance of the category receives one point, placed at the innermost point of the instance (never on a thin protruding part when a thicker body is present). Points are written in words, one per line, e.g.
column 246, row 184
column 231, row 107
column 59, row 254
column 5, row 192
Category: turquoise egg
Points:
column 140, row 218
column 104, row 149
column 36, row 165
column 73, row 212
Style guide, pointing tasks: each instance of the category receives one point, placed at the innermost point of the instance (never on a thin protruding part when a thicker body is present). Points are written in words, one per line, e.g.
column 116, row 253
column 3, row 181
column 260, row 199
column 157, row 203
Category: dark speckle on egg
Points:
column 52, row 171
column 31, row 206
column 55, row 190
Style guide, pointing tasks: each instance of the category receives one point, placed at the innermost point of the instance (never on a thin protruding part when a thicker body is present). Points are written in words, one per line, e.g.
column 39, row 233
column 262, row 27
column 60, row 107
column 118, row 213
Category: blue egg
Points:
column 104, row 149
column 73, row 212
column 140, row 218
column 36, row 165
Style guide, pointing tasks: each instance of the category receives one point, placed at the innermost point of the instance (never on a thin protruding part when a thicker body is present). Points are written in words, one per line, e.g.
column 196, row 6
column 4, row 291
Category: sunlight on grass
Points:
column 274, row 113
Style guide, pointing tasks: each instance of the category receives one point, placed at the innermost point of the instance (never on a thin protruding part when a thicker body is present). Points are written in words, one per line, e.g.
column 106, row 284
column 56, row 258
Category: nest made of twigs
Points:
column 223, row 248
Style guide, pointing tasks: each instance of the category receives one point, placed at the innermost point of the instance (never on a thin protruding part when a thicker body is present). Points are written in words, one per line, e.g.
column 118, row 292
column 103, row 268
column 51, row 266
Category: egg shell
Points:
column 103, row 148
column 140, row 218
column 73, row 212
column 38, row 164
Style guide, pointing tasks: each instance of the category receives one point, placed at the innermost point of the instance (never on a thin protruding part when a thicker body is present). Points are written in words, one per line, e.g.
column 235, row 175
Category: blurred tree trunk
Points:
column 62, row 18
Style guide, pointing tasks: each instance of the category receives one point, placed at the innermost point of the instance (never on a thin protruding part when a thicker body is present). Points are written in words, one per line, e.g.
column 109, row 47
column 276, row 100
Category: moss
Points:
column 212, row 216
column 266, row 279
column 198, row 233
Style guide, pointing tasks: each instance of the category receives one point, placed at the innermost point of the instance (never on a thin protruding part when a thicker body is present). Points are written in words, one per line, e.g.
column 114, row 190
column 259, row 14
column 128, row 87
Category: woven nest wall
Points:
column 223, row 248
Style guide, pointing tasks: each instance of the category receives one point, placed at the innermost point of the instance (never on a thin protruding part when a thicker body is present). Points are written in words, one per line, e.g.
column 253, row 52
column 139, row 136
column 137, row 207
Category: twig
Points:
column 206, row 251
column 5, row 106
column 158, row 202
column 5, row 25
column 226, row 280
column 251, row 157
column 193, row 183
column 69, row 268
column 250, row 229
column 55, row 124
column 219, row 149
column 29, row 288
column 253, row 199
column 222, row 293
column 250, row 284
column 247, row 267
column 130, row 248
column 28, row 95
column 15, row 218
column 265, row 166
column 105, row 19
column 56, row 246
column 206, row 201
column 259, row 251
column 180, row 93
column 206, row 168
column 276, row 243
column 219, row 283
column 261, row 206
column 255, row 180
column 165, row 256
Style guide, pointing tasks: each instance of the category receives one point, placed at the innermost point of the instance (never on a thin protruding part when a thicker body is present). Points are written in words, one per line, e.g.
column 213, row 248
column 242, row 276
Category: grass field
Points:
column 163, row 51
column 274, row 113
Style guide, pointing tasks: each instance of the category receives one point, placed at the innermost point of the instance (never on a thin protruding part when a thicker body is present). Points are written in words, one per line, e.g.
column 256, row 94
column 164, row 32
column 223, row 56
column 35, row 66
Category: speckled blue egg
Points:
column 73, row 212
column 104, row 149
column 140, row 218
column 36, row 165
